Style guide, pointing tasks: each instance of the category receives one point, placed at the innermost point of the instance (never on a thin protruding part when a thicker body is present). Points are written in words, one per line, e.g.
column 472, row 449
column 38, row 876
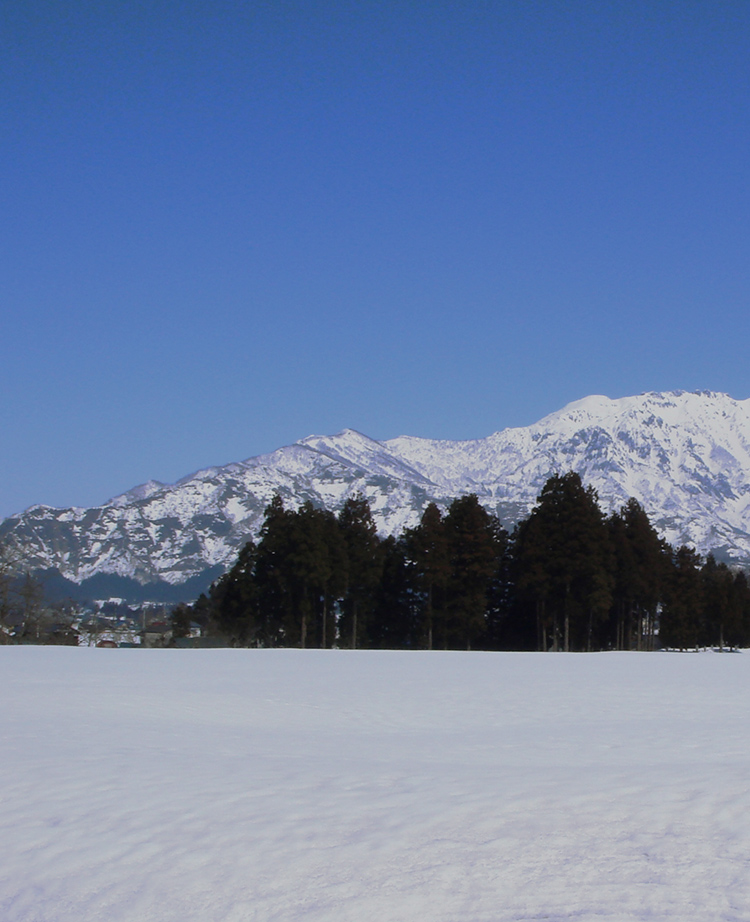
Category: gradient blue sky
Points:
column 228, row 225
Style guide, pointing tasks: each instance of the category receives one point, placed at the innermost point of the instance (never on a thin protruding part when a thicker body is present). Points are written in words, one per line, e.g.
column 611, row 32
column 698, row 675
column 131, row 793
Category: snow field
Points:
column 201, row 785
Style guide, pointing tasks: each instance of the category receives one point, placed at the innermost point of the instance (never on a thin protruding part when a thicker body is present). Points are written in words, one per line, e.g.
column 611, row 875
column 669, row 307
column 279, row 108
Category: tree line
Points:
column 25, row 614
column 568, row 577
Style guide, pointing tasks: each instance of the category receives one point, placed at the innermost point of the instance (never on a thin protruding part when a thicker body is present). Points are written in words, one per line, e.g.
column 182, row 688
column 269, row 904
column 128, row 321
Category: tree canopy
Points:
column 568, row 578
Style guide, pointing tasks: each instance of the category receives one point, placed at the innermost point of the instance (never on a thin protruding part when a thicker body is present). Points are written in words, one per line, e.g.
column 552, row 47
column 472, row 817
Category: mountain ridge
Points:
column 685, row 456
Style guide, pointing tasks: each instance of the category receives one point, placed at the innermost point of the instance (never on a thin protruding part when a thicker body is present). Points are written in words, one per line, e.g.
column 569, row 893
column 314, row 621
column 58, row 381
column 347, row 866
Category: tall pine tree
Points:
column 640, row 562
column 682, row 612
column 427, row 548
column 563, row 564
column 475, row 546
column 363, row 568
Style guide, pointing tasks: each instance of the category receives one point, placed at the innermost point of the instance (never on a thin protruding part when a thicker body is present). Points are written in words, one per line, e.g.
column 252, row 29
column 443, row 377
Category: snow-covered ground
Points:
column 331, row 786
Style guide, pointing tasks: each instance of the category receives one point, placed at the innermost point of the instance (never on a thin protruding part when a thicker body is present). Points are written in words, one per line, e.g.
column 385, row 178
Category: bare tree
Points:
column 11, row 562
column 34, row 614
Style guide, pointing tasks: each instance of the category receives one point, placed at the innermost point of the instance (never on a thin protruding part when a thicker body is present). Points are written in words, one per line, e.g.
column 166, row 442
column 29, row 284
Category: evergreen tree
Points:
column 722, row 618
column 395, row 623
column 204, row 615
column 280, row 592
column 304, row 571
column 335, row 584
column 563, row 563
column 681, row 617
column 233, row 601
column 568, row 578
column 294, row 573
column 475, row 544
column 640, row 560
column 180, row 618
column 427, row 548
column 531, row 580
column 737, row 630
column 315, row 553
column 275, row 610
column 505, row 631
column 363, row 568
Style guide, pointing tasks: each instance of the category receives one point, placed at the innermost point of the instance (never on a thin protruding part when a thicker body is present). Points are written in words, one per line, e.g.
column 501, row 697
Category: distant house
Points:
column 157, row 634
column 62, row 633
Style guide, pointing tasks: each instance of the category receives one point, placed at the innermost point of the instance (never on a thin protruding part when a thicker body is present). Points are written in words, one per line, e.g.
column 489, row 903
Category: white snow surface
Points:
column 348, row 786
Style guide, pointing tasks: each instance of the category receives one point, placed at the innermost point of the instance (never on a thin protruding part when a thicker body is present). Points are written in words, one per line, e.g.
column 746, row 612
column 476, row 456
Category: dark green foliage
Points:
column 181, row 617
column 504, row 630
column 475, row 544
column 299, row 573
column 427, row 549
column 725, row 606
column 396, row 614
column 204, row 615
column 568, row 579
column 269, row 571
column 364, row 565
column 563, row 564
column 287, row 590
column 233, row 599
column 737, row 628
column 315, row 572
column 716, row 591
column 681, row 616
column 641, row 561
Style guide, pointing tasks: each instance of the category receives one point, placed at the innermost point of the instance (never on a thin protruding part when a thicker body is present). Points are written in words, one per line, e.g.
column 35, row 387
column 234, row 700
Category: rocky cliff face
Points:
column 684, row 456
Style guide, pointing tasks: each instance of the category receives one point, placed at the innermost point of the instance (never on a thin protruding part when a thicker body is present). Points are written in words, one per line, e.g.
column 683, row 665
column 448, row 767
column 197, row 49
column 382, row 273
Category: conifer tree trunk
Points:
column 555, row 633
column 429, row 619
column 540, row 639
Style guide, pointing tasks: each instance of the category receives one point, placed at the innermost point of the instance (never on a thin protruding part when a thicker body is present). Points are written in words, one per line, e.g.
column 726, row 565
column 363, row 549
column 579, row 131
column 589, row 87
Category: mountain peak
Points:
column 142, row 491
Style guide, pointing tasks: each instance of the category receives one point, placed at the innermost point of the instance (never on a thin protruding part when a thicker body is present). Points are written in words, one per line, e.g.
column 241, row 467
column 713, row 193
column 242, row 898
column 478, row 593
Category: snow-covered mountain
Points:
column 684, row 456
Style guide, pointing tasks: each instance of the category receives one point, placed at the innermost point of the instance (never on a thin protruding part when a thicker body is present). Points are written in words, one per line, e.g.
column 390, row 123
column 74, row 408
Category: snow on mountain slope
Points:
column 684, row 456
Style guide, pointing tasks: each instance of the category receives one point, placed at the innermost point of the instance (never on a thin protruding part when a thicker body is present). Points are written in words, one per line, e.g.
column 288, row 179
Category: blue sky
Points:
column 230, row 225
